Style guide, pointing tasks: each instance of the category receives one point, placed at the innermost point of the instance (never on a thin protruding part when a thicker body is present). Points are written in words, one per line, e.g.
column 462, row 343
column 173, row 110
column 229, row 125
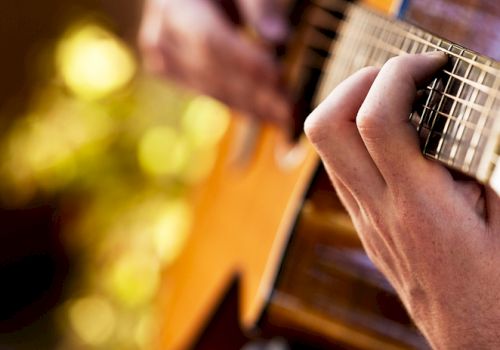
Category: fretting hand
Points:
column 436, row 239
column 193, row 42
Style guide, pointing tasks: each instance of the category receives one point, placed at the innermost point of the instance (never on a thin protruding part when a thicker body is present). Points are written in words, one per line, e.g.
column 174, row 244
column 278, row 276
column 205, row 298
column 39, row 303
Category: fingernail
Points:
column 274, row 29
column 437, row 54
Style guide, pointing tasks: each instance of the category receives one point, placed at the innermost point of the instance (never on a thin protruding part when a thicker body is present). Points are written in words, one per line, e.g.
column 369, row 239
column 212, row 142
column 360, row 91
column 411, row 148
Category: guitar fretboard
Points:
column 458, row 116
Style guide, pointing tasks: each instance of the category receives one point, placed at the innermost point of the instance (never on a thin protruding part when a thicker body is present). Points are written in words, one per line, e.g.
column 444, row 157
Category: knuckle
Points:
column 395, row 65
column 368, row 122
column 396, row 69
column 319, row 127
column 324, row 122
column 313, row 128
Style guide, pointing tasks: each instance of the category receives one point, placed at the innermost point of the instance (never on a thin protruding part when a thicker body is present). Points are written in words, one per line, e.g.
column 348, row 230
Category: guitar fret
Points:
column 486, row 164
column 388, row 33
column 460, row 101
column 471, row 114
column 314, row 38
column 351, row 31
column 369, row 27
column 416, row 34
column 419, row 48
column 483, row 119
column 314, row 59
column 455, row 119
column 355, row 60
column 467, row 125
column 423, row 117
column 448, row 86
column 373, row 37
column 476, row 85
column 425, row 47
column 438, row 133
column 406, row 44
column 377, row 57
column 429, row 147
column 369, row 58
column 371, row 48
column 321, row 17
column 459, row 128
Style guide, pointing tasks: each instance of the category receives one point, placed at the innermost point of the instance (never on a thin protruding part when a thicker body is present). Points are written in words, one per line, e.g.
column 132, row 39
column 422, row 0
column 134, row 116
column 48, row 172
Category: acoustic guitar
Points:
column 268, row 217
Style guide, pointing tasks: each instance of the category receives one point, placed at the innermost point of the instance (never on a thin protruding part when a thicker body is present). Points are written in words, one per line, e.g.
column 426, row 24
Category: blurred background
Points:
column 101, row 167
column 97, row 164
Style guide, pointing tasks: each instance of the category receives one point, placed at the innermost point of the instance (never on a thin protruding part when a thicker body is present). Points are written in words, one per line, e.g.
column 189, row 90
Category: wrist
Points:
column 457, row 327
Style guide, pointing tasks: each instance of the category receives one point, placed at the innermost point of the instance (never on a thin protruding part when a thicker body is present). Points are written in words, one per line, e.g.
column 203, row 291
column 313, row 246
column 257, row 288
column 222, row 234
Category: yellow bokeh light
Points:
column 171, row 231
column 45, row 147
column 94, row 63
column 92, row 319
column 144, row 331
column 163, row 151
column 205, row 121
column 43, row 154
column 134, row 278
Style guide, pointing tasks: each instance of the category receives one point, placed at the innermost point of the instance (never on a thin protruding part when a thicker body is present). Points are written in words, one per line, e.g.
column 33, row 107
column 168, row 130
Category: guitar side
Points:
column 238, row 233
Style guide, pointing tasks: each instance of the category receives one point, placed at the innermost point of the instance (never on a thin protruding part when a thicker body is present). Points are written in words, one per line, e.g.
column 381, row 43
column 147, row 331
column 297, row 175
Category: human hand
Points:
column 435, row 238
column 192, row 42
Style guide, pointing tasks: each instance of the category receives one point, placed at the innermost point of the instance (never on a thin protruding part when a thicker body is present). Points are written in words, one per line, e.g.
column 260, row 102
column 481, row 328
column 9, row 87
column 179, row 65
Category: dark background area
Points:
column 28, row 28
column 34, row 268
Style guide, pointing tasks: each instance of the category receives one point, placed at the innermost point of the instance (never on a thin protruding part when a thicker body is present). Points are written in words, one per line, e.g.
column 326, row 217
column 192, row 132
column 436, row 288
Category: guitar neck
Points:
column 457, row 118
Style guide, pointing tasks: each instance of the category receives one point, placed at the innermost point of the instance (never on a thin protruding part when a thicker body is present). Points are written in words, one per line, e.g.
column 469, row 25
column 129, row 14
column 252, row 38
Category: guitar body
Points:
column 269, row 219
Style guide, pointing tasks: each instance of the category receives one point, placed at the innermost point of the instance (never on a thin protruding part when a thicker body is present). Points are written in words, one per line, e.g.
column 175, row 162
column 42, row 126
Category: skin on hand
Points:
column 436, row 239
column 191, row 41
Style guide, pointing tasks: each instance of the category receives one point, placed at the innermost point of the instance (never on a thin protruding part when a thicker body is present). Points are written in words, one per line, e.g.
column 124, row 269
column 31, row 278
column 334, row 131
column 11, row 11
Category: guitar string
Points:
column 466, row 124
column 315, row 60
column 397, row 51
column 463, row 116
column 457, row 100
column 463, row 80
column 395, row 28
column 448, row 86
column 369, row 38
column 480, row 128
column 416, row 34
column 492, row 98
column 468, row 113
column 472, row 151
column 394, row 50
column 483, row 121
